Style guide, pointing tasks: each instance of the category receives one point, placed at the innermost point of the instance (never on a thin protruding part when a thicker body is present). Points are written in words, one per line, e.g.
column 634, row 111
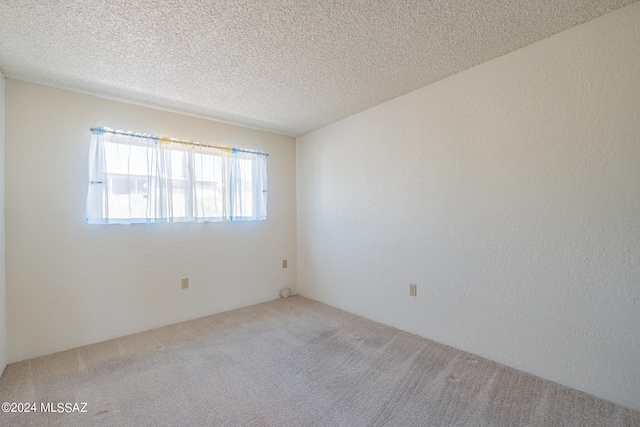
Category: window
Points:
column 137, row 178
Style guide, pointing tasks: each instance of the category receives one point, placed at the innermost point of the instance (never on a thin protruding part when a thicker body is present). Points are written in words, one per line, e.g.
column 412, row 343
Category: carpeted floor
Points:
column 289, row 362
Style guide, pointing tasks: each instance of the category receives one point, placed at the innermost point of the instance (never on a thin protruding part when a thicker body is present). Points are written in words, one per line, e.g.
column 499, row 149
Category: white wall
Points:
column 510, row 194
column 3, row 306
column 71, row 284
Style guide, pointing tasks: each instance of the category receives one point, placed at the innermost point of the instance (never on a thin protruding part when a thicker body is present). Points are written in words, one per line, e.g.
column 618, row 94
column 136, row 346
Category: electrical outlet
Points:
column 413, row 290
column 185, row 283
column 284, row 263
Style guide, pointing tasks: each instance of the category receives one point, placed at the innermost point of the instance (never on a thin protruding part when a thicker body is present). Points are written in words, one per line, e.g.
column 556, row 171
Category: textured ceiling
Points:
column 285, row 66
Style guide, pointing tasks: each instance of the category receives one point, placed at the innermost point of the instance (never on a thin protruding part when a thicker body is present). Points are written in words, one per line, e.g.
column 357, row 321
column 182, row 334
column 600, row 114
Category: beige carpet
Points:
column 290, row 362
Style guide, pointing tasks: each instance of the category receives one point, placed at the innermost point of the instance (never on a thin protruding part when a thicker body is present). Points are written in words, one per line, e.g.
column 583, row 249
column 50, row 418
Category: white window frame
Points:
column 181, row 181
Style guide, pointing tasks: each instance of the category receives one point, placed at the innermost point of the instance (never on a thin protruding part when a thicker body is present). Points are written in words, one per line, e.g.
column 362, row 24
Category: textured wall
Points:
column 510, row 193
column 70, row 284
column 3, row 308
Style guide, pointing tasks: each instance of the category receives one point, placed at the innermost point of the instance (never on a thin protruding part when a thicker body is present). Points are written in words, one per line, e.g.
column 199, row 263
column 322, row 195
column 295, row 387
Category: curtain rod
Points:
column 174, row 140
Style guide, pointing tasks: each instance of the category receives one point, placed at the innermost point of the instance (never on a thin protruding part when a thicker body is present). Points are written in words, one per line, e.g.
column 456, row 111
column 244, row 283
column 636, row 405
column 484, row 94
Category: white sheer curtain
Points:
column 248, row 183
column 137, row 178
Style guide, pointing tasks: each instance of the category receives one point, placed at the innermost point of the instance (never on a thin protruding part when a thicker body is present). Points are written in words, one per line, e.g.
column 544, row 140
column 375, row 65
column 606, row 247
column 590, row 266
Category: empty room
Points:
column 297, row 213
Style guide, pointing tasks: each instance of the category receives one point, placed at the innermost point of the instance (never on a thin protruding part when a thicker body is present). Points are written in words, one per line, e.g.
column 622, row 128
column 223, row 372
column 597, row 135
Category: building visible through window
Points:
column 142, row 178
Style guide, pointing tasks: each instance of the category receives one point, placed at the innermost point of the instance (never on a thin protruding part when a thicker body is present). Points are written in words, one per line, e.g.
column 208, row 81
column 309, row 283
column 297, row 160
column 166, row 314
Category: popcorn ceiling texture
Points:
column 285, row 66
